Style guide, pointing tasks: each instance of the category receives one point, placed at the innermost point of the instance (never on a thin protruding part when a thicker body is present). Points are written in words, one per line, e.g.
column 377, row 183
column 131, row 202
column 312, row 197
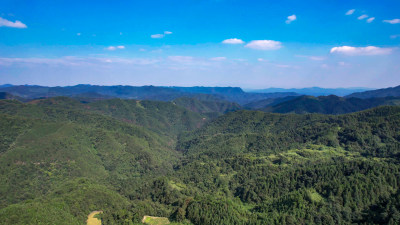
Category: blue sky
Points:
column 251, row 44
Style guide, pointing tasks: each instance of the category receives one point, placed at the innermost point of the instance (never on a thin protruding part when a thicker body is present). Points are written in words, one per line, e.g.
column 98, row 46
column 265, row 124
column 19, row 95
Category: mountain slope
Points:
column 379, row 93
column 328, row 104
column 212, row 108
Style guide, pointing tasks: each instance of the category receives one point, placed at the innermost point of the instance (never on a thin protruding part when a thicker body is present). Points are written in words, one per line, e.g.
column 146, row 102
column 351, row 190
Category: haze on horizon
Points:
column 249, row 44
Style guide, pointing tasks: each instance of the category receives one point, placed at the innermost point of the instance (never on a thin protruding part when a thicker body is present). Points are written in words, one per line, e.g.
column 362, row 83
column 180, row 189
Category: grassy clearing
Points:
column 92, row 220
column 151, row 220
column 314, row 196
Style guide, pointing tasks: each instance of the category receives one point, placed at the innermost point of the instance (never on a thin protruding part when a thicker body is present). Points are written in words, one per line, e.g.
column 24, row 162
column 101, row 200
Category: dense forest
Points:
column 197, row 160
column 323, row 104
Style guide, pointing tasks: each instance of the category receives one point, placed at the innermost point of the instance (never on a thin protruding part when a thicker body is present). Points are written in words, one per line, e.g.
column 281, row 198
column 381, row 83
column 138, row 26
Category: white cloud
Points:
column 362, row 17
column 291, row 18
column 7, row 23
column 370, row 19
column 112, row 48
column 161, row 35
column 78, row 34
column 350, row 12
column 261, row 60
column 157, row 35
column 264, row 45
column 393, row 21
column 369, row 50
column 233, row 41
column 218, row 58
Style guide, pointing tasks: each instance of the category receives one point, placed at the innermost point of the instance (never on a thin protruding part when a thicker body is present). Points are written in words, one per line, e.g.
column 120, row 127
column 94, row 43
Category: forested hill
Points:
column 372, row 132
column 5, row 95
column 212, row 108
column 379, row 93
column 297, row 169
column 164, row 118
column 61, row 159
column 328, row 104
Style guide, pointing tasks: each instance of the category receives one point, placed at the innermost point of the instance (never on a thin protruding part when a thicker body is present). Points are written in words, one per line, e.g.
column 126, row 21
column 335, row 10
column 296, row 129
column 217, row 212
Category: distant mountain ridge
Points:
column 379, row 93
column 329, row 104
column 315, row 91
column 233, row 94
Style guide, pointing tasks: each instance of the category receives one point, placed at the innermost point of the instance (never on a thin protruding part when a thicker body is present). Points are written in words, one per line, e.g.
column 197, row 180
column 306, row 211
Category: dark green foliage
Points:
column 61, row 159
column 213, row 108
column 326, row 104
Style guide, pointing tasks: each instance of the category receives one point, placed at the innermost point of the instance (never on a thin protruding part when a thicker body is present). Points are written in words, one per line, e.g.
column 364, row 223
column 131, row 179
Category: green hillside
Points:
column 325, row 104
column 212, row 108
column 61, row 159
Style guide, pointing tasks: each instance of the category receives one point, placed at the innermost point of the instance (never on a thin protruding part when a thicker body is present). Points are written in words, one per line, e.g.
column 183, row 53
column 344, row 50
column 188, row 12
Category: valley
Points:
column 195, row 161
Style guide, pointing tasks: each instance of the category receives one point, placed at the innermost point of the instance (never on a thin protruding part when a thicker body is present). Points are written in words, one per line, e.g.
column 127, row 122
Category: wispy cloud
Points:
column 350, row 12
column 161, row 35
column 233, row 41
column 362, row 17
column 218, row 58
column 181, row 59
column 314, row 58
column 291, row 19
column 369, row 50
column 113, row 48
column 7, row 23
column 264, row 45
column 394, row 36
column 370, row 19
column 157, row 35
column 393, row 21
column 76, row 61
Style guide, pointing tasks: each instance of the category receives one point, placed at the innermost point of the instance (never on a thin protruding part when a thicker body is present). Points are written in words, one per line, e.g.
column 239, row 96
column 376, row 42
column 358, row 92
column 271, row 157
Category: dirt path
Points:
column 92, row 220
